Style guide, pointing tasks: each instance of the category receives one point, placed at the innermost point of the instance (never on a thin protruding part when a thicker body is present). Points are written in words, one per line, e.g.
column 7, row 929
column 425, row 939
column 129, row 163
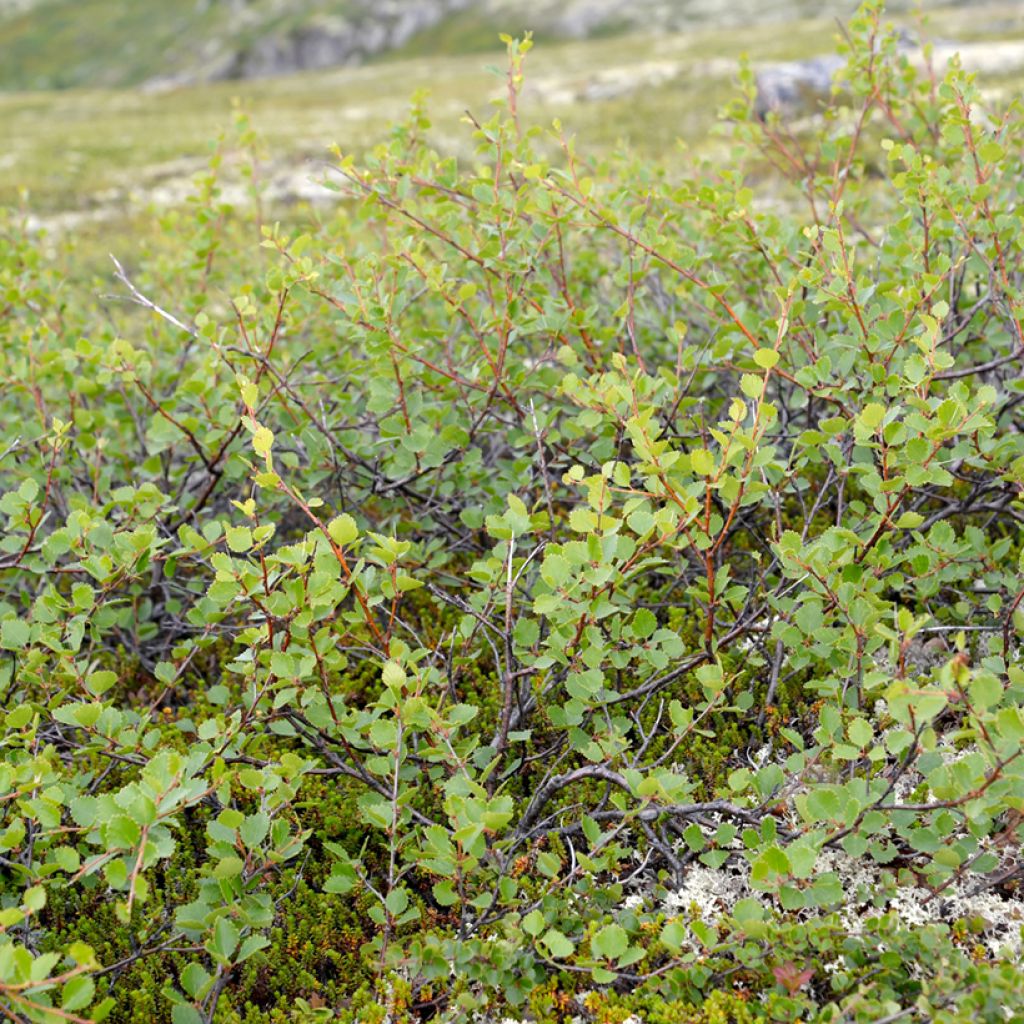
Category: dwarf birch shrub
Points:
column 522, row 534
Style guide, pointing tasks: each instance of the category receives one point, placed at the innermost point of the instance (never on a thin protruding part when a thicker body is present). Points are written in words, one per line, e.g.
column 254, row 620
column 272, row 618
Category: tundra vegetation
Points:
column 545, row 587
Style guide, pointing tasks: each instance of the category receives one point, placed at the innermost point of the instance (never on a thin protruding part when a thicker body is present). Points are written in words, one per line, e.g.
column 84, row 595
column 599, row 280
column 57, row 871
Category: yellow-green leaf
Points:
column 262, row 441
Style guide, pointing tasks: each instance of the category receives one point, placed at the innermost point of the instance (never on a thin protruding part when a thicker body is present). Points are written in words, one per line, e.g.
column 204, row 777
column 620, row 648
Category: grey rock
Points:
column 795, row 87
column 803, row 86
column 328, row 42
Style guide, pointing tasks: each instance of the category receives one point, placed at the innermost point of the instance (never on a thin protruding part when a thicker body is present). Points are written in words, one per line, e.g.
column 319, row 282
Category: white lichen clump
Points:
column 711, row 893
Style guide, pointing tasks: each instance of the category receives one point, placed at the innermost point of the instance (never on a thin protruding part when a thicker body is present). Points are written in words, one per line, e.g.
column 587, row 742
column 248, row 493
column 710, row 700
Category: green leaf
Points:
column 751, row 385
column 558, row 945
column 985, row 691
column 20, row 716
column 77, row 993
column 228, row 867
column 555, row 570
column 393, row 675
column 262, row 441
column 693, row 836
column 224, row 940
column 14, row 634
column 822, row 804
column 239, row 538
column 34, row 898
column 860, row 733
column 910, row 520
column 674, row 933
column 640, row 521
column 342, row 879
column 343, row 529
column 533, row 923
column 247, row 390
column 397, row 900
column 871, row 416
column 766, row 358
column 644, row 623
column 252, row 944
column 610, row 942
column 768, row 867
column 445, row 893
column 122, row 833
column 98, row 683
column 702, row 461
column 254, row 829
column 549, row 864
column 194, row 979
column 184, row 1013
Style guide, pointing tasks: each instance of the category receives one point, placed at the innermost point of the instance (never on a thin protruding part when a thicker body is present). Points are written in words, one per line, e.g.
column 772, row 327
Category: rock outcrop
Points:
column 327, row 41
column 796, row 86
column 801, row 87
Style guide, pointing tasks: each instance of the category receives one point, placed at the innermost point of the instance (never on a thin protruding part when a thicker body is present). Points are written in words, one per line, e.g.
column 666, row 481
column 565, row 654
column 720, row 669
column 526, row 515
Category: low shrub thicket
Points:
column 403, row 617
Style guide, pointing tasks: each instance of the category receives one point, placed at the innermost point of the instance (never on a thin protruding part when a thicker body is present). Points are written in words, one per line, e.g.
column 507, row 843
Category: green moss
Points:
column 721, row 1006
column 315, row 951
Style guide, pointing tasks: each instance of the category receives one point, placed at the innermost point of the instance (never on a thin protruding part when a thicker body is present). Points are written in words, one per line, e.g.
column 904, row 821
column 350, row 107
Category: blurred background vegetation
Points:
column 109, row 108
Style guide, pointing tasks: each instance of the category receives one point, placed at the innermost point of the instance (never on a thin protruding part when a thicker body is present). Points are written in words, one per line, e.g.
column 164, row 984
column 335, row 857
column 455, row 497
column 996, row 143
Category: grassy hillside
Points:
column 100, row 152
column 102, row 43
column 64, row 43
